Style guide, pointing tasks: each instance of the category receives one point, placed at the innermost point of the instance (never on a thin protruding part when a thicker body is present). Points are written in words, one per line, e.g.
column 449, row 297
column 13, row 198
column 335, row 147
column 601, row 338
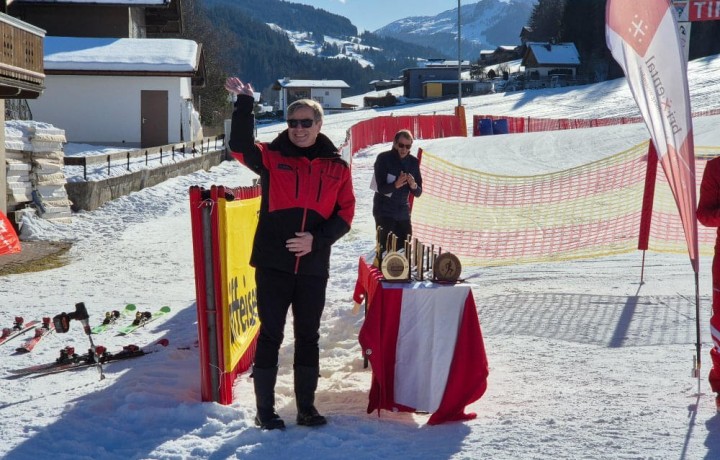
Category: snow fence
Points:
column 588, row 211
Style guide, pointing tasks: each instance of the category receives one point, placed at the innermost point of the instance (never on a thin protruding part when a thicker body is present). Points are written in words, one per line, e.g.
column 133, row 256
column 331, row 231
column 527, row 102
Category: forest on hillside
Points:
column 237, row 40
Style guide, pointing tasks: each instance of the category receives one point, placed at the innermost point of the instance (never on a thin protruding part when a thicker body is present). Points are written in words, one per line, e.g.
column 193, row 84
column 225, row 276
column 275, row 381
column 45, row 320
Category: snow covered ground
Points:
column 585, row 362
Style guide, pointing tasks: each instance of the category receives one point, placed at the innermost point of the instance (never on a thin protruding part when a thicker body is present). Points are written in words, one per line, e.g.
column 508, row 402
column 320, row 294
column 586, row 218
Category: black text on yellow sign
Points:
column 243, row 310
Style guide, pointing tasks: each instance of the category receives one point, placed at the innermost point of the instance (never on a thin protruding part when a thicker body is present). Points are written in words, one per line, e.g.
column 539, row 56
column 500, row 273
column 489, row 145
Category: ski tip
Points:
column 165, row 309
column 130, row 306
column 163, row 342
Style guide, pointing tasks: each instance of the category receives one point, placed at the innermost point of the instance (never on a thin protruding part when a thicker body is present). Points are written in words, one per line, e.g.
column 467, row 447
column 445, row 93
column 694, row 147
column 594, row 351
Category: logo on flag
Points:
column 635, row 24
column 682, row 10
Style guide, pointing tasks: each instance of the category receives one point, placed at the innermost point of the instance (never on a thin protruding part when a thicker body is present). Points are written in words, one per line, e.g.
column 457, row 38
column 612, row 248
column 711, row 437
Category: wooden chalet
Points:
column 544, row 60
column 21, row 77
column 327, row 92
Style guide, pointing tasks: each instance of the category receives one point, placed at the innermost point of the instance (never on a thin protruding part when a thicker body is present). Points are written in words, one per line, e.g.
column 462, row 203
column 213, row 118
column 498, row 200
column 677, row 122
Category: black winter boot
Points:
column 306, row 379
column 264, row 382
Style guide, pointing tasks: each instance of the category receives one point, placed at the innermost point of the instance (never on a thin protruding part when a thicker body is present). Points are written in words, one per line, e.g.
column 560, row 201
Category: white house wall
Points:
column 186, row 88
column 329, row 98
column 106, row 109
column 544, row 72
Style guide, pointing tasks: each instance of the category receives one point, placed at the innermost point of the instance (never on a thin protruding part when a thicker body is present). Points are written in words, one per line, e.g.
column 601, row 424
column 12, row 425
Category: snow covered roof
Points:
column 161, row 55
column 464, row 82
column 289, row 83
column 548, row 53
column 437, row 64
column 103, row 2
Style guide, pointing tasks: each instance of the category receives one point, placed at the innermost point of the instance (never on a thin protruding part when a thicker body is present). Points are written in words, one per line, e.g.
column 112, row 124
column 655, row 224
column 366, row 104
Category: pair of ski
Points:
column 20, row 327
column 70, row 360
column 141, row 319
column 46, row 328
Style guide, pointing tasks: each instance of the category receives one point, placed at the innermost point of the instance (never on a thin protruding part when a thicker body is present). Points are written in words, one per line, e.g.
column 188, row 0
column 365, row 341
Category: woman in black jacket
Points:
column 397, row 175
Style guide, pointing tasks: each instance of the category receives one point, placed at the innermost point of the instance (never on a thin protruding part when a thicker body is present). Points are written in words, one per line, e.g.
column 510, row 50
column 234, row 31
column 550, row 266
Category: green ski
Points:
column 142, row 318
column 112, row 317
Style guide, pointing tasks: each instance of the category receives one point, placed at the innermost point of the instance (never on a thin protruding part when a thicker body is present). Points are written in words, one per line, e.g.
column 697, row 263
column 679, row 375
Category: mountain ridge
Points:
column 486, row 24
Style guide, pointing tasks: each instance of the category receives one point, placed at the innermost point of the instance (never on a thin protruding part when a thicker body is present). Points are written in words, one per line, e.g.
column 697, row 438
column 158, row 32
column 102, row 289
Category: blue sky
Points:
column 373, row 14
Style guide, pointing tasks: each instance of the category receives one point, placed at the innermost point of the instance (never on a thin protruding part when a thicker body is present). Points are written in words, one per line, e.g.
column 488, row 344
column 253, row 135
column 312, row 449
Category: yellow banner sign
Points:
column 238, row 222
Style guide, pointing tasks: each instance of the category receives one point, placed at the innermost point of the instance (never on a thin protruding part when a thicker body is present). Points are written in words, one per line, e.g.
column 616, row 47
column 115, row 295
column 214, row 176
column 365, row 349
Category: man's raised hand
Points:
column 236, row 86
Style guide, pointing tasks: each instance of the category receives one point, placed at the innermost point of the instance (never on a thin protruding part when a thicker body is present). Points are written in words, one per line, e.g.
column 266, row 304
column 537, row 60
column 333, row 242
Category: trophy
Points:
column 446, row 268
column 378, row 250
column 394, row 266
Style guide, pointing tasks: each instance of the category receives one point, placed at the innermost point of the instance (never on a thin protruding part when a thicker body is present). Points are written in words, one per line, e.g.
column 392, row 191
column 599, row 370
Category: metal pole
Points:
column 211, row 313
column 698, row 343
column 459, row 61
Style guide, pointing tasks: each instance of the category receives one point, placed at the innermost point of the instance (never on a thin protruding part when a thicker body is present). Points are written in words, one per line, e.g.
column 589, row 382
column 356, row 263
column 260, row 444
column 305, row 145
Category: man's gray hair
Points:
column 306, row 103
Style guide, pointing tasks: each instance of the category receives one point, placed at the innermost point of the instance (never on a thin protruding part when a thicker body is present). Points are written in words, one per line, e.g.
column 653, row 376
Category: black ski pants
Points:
column 276, row 292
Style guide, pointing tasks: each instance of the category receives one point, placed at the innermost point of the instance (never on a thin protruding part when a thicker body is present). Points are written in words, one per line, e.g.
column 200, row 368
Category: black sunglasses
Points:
column 404, row 146
column 305, row 123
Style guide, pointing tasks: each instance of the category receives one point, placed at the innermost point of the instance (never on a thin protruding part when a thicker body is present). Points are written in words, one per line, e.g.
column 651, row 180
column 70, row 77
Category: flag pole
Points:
column 647, row 204
column 459, row 41
column 681, row 7
column 698, row 342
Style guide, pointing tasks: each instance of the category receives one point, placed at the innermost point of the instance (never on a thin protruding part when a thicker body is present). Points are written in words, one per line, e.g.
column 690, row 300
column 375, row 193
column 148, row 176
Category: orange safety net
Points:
column 532, row 124
column 588, row 211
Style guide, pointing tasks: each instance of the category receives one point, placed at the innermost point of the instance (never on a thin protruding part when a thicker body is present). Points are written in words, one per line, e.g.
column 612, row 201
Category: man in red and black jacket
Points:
column 307, row 204
column 708, row 213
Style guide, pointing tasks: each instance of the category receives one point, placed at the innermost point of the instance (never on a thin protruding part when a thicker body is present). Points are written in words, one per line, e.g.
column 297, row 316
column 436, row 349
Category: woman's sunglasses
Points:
column 305, row 123
column 404, row 146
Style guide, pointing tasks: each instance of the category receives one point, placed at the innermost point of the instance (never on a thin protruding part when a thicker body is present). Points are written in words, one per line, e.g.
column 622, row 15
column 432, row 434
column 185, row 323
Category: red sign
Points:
column 703, row 10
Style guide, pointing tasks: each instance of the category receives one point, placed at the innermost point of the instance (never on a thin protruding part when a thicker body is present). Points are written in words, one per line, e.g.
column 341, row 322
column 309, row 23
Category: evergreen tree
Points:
column 583, row 23
column 211, row 100
column 546, row 19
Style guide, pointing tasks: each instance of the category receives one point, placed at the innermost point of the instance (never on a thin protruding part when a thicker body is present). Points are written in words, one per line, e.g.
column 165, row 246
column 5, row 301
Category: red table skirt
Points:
column 425, row 346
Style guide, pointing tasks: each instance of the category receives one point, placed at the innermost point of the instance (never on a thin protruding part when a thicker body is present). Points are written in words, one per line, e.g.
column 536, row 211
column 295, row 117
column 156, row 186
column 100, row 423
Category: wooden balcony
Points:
column 21, row 61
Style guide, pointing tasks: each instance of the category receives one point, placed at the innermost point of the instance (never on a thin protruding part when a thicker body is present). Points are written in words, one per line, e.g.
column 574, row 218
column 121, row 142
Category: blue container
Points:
column 500, row 126
column 485, row 127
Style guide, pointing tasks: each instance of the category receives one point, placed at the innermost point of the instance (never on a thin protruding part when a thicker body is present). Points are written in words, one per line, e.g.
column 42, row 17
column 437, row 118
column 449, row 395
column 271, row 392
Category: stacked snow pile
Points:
column 36, row 179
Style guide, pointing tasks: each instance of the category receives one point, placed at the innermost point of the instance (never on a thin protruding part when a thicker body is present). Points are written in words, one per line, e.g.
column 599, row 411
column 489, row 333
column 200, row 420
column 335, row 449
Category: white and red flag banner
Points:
column 642, row 36
column 425, row 346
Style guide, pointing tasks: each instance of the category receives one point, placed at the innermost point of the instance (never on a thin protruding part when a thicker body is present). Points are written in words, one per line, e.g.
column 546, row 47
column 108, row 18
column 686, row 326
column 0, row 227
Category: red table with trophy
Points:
column 421, row 333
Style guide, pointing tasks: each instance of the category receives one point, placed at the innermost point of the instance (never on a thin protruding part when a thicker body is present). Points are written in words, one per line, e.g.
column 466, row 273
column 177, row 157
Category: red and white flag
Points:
column 426, row 350
column 642, row 36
